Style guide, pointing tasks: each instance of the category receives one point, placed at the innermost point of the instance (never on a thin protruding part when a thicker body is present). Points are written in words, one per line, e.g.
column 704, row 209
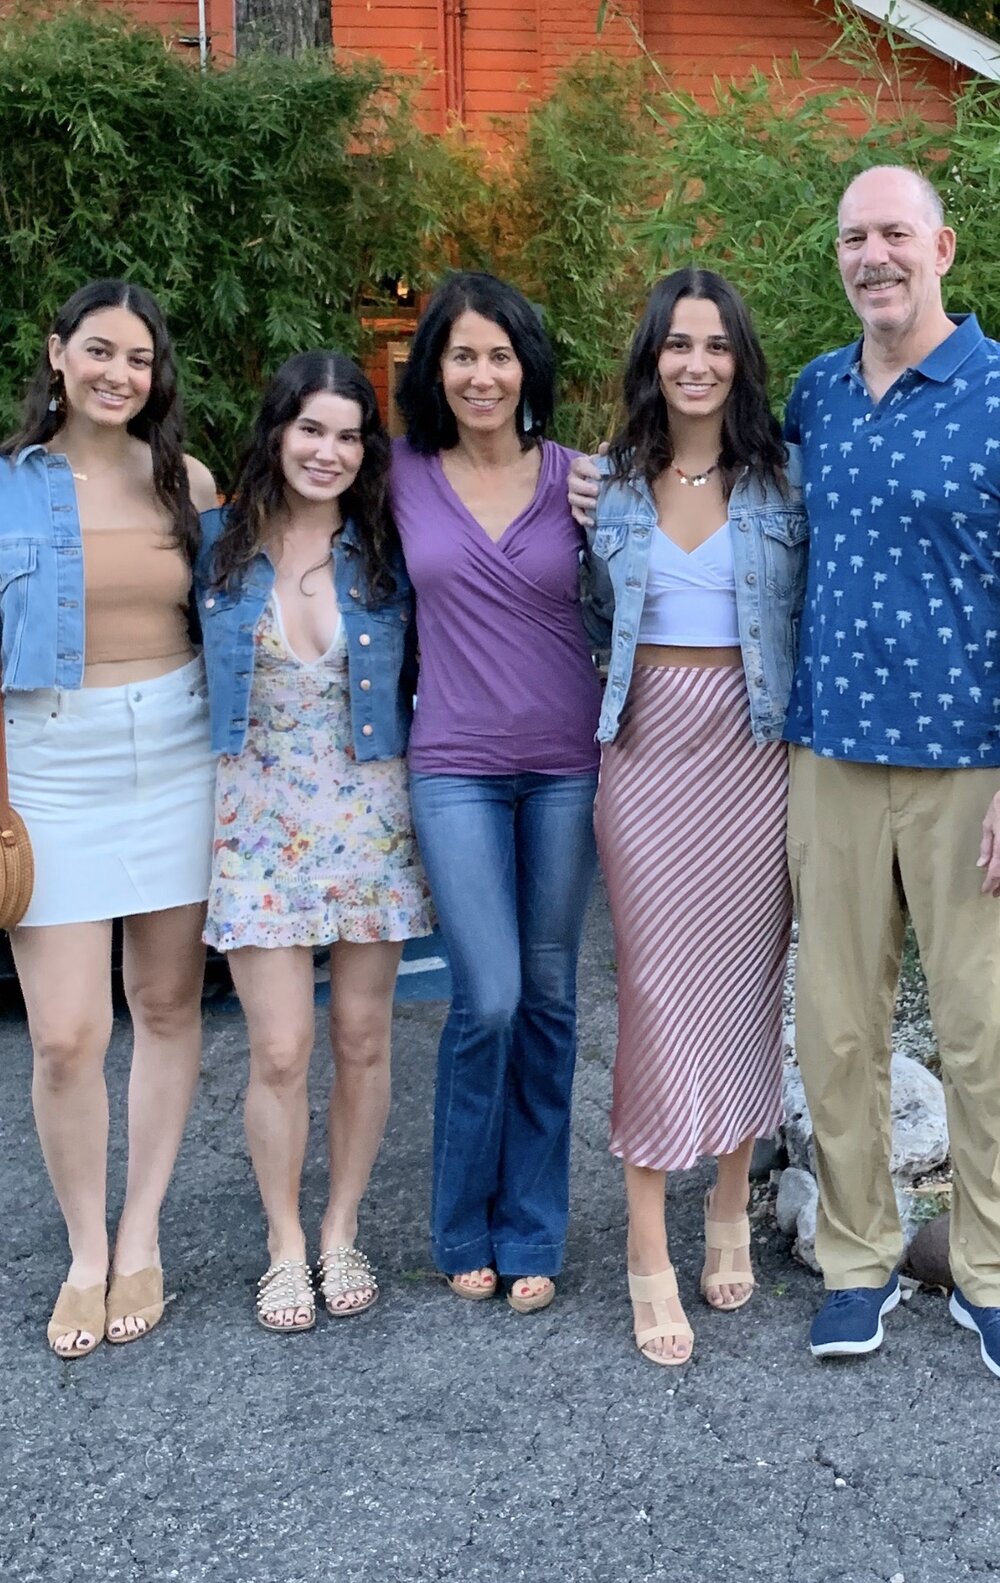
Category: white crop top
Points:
column 691, row 598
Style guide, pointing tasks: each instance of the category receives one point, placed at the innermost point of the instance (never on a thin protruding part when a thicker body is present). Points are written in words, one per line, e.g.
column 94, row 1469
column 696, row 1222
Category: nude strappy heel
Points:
column 726, row 1237
column 658, row 1290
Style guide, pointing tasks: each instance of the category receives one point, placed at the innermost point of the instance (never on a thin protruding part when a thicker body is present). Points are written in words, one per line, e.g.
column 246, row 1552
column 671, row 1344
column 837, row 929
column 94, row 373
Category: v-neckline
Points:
column 473, row 520
column 689, row 553
column 307, row 665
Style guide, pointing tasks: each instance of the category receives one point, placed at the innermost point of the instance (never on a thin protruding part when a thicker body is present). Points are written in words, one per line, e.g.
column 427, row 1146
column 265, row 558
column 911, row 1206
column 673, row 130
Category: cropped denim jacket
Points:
column 381, row 646
column 41, row 573
column 770, row 546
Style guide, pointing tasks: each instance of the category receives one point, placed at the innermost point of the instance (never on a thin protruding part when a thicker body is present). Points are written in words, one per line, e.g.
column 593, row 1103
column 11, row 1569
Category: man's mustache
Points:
column 879, row 277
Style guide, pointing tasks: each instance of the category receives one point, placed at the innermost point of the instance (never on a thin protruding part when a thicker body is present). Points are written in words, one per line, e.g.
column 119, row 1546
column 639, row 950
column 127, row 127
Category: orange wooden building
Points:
column 481, row 58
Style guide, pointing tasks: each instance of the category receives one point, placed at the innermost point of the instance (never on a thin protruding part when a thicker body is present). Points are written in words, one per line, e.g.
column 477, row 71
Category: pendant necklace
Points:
column 85, row 478
column 695, row 479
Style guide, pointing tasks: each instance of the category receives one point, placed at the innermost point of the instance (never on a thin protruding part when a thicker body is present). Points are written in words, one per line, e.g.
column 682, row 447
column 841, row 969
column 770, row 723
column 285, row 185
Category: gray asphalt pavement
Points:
column 436, row 1439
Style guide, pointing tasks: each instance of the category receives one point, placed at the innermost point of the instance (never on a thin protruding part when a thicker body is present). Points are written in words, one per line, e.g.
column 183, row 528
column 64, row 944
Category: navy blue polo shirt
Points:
column 899, row 658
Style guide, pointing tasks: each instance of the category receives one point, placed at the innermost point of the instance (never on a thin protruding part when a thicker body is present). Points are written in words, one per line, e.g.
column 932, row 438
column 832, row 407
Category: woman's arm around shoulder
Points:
column 204, row 495
column 793, row 470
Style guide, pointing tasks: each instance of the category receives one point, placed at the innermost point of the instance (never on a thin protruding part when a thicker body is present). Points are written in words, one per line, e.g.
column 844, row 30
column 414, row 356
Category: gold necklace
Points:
column 85, row 478
column 694, row 479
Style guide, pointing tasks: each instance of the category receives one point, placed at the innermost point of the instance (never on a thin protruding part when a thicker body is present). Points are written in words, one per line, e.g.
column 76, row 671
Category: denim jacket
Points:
column 770, row 546
column 41, row 573
column 381, row 647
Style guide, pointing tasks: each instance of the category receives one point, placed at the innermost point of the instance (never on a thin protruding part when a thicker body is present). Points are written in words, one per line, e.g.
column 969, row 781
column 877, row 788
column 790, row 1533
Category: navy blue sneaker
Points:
column 850, row 1322
column 984, row 1321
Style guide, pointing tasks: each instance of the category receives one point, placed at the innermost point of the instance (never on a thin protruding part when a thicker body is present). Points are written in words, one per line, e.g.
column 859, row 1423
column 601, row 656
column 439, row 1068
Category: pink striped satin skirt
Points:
column 690, row 819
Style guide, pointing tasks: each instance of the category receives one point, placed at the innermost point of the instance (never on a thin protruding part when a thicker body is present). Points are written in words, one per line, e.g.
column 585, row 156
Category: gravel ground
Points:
column 435, row 1439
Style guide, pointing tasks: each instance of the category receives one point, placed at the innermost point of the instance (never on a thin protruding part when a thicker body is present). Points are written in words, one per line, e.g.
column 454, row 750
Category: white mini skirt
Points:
column 117, row 788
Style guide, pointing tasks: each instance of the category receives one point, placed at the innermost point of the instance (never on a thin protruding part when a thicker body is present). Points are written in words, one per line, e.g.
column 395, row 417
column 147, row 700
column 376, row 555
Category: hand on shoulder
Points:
column 204, row 494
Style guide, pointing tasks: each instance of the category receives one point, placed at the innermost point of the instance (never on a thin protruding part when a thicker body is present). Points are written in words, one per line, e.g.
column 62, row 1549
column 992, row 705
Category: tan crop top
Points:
column 136, row 586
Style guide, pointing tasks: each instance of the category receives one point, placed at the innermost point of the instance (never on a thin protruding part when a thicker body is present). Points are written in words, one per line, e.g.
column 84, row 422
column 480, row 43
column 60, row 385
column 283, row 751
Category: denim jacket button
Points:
column 364, row 639
column 744, row 526
column 367, row 731
column 751, row 578
column 754, row 630
column 209, row 604
column 355, row 593
column 365, row 684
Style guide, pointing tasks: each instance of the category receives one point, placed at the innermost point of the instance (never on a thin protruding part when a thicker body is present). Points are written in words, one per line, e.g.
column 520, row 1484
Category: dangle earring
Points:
column 527, row 416
column 57, row 392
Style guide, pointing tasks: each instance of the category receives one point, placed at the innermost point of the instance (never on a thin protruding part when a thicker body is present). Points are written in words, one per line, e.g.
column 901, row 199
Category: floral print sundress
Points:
column 310, row 846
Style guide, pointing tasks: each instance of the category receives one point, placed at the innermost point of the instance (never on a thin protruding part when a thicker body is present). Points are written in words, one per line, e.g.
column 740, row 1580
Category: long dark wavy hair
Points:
column 430, row 422
column 257, row 495
column 751, row 434
column 160, row 424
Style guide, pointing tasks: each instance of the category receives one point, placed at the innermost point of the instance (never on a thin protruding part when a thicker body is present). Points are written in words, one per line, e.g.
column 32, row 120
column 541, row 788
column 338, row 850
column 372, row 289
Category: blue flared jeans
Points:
column 510, row 860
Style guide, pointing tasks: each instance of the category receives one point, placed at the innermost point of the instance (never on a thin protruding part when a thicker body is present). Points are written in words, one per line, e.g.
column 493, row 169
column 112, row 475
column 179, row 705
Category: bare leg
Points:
column 276, row 991
column 163, row 970
column 728, row 1201
column 648, row 1253
column 362, row 979
column 70, row 1030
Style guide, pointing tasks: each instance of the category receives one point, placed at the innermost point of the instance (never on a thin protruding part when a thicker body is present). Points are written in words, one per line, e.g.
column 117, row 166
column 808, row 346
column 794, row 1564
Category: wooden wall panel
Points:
column 697, row 40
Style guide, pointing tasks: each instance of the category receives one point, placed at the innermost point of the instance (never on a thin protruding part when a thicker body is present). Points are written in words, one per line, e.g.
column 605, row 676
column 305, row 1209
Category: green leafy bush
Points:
column 269, row 204
column 262, row 204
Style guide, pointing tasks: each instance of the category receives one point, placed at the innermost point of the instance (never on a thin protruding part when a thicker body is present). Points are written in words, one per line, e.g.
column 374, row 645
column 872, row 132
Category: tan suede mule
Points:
column 78, row 1309
column 138, row 1296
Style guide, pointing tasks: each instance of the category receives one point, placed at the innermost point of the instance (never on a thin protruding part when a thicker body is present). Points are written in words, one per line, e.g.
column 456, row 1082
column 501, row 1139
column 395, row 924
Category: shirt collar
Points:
column 940, row 365
column 29, row 450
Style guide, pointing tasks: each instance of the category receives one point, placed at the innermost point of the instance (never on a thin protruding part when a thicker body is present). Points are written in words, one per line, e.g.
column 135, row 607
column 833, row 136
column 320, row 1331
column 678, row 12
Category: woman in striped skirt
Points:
column 700, row 526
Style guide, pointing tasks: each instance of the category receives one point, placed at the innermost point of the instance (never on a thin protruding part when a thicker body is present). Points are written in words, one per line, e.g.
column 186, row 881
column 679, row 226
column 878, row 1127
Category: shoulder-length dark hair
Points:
column 160, row 424
column 751, row 434
column 257, row 494
column 430, row 422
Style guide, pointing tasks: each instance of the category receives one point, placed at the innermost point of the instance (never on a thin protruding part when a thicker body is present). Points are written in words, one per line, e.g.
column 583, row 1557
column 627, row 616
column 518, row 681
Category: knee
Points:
column 550, row 980
column 360, row 1046
column 491, row 1008
column 281, row 1063
column 65, row 1052
column 165, row 1009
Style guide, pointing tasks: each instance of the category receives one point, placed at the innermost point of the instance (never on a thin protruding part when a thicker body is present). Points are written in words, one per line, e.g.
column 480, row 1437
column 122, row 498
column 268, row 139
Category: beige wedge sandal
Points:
column 726, row 1237
column 79, row 1310
column 137, row 1296
column 658, row 1290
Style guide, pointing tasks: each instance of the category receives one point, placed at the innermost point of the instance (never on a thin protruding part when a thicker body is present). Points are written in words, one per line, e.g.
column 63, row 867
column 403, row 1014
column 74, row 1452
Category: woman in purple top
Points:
column 503, row 772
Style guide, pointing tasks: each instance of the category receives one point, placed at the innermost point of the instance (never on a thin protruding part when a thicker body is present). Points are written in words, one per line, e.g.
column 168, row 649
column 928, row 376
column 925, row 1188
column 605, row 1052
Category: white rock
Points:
column 804, row 1246
column 919, row 1121
column 798, row 1122
column 796, row 1189
column 795, row 1210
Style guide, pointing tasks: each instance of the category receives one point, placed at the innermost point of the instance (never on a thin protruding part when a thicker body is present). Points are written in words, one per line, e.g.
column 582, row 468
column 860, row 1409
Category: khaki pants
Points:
column 866, row 844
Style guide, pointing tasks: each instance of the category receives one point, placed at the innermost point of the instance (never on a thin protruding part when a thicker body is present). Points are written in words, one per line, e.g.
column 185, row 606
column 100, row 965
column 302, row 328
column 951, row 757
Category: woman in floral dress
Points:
column 307, row 618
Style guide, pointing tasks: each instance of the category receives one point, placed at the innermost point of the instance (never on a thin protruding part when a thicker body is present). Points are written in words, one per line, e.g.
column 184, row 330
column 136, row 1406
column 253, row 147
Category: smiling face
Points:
column 892, row 251
column 107, row 367
column 696, row 364
column 480, row 375
column 322, row 449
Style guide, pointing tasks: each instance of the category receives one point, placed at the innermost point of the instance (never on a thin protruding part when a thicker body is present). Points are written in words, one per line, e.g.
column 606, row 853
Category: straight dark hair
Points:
column 160, row 424
column 257, row 494
column 430, row 422
column 751, row 434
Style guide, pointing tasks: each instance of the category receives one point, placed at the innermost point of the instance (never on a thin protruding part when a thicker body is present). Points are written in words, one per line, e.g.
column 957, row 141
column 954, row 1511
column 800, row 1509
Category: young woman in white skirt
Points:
column 111, row 769
column 307, row 614
column 700, row 525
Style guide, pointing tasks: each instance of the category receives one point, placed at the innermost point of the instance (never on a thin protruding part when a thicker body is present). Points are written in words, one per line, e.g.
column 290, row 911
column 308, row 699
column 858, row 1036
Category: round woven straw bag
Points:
column 17, row 866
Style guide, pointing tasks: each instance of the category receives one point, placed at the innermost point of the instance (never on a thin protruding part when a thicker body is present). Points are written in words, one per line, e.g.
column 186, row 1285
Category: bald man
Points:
column 895, row 721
